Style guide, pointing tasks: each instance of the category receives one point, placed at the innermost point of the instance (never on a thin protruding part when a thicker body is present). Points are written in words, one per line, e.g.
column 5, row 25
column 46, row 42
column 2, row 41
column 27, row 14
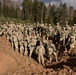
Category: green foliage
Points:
column 2, row 19
column 36, row 11
column 8, row 19
column 0, row 9
column 74, row 19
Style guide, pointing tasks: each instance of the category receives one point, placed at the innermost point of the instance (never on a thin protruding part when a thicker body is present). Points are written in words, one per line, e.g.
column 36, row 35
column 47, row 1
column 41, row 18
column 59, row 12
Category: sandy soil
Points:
column 13, row 63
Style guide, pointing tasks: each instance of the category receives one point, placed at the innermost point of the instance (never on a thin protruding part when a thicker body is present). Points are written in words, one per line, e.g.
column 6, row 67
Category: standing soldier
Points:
column 72, row 41
column 21, row 48
column 16, row 42
column 68, row 27
column 44, row 41
column 52, row 50
column 31, row 46
column 12, row 40
column 58, row 27
column 62, row 36
column 25, row 45
column 42, row 24
column 50, row 29
column 8, row 37
column 40, row 51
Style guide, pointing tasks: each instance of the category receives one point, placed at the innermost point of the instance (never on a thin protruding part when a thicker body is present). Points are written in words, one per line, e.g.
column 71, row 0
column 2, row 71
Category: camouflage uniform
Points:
column 42, row 24
column 52, row 50
column 40, row 51
column 63, row 36
column 25, row 44
column 21, row 48
column 15, row 42
column 12, row 42
column 31, row 46
column 8, row 38
column 72, row 41
column 50, row 29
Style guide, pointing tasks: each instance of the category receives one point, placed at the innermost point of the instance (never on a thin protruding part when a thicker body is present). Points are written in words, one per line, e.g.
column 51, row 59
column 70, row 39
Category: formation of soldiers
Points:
column 40, row 39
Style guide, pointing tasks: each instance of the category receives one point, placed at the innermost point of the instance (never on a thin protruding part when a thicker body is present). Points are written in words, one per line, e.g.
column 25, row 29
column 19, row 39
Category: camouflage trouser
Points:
column 26, row 52
column 63, row 39
column 4, row 34
column 31, row 51
column 21, row 50
column 12, row 44
column 8, row 39
column 71, row 47
column 54, row 53
column 41, row 59
column 16, row 45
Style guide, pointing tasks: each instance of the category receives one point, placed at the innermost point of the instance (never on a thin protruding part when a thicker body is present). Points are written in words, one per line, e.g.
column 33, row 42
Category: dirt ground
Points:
column 13, row 63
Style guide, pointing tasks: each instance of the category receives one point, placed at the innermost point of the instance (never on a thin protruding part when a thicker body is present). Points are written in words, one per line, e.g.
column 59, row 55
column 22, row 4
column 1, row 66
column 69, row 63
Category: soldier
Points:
column 12, row 42
column 72, row 41
column 68, row 27
column 31, row 46
column 52, row 50
column 26, row 31
column 50, row 29
column 21, row 48
column 1, row 32
column 44, row 41
column 7, row 23
column 15, row 42
column 4, row 32
column 74, row 28
column 62, row 37
column 58, row 27
column 8, row 37
column 37, row 24
column 40, row 51
column 25, row 45
column 42, row 24
column 11, row 24
column 29, row 38
column 31, row 30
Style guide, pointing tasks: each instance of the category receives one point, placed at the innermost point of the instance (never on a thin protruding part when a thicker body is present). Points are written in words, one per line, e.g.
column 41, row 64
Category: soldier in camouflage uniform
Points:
column 15, row 42
column 50, row 29
column 72, row 41
column 58, row 27
column 52, row 50
column 21, row 48
column 62, row 37
column 42, row 24
column 40, row 51
column 25, row 45
column 31, row 46
column 8, row 38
